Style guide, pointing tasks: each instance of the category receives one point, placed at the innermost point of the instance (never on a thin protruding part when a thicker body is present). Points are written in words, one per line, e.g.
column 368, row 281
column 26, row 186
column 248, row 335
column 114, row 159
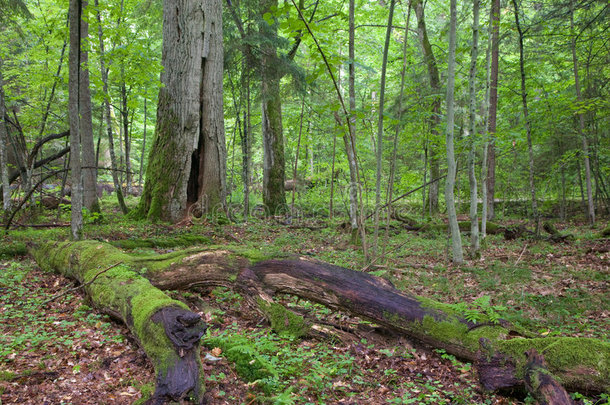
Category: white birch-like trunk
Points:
column 456, row 240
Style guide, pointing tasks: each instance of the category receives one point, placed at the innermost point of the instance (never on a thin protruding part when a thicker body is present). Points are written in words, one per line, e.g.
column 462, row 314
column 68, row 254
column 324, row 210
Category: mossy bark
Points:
column 167, row 331
column 579, row 364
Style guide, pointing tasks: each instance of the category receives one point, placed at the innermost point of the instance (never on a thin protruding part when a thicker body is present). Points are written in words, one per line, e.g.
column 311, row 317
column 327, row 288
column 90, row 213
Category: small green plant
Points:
column 481, row 310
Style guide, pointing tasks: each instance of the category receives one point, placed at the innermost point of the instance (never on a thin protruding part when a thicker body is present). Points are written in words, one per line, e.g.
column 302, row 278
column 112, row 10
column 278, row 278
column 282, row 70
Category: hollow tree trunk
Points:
column 581, row 364
column 167, row 331
column 189, row 139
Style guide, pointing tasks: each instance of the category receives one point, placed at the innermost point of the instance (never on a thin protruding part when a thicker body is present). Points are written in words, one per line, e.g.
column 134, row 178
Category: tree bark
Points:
column 6, row 189
column 472, row 129
column 580, row 363
column 167, row 331
column 528, row 125
column 349, row 138
column 581, row 124
column 273, row 137
column 75, row 16
column 89, row 170
column 118, row 189
column 494, row 22
column 434, row 120
column 189, row 138
column 456, row 238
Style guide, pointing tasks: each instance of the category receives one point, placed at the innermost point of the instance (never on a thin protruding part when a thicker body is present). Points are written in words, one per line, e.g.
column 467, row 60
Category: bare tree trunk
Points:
column 108, row 115
column 86, row 122
column 126, row 133
column 493, row 108
column 581, row 126
column 349, row 139
column 472, row 128
column 403, row 71
column 6, row 185
column 74, row 113
column 143, row 143
column 456, row 238
column 212, row 184
column 528, row 126
column 189, row 138
column 379, row 156
column 273, row 137
column 434, row 120
column 296, row 156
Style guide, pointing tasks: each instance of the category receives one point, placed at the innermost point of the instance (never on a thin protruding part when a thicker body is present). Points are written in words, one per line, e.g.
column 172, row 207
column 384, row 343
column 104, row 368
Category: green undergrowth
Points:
column 282, row 368
column 25, row 328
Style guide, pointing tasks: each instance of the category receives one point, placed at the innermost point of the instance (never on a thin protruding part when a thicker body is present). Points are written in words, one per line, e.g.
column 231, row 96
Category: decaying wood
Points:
column 581, row 364
column 167, row 331
column 540, row 382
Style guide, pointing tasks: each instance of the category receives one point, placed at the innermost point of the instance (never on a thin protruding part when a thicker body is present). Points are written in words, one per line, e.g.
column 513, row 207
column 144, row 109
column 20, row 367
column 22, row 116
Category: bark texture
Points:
column 89, row 168
column 435, row 108
column 6, row 191
column 456, row 238
column 493, row 108
column 182, row 148
column 273, row 137
column 75, row 15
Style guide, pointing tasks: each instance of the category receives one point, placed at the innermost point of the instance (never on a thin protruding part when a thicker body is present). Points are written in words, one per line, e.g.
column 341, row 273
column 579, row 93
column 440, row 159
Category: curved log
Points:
column 167, row 331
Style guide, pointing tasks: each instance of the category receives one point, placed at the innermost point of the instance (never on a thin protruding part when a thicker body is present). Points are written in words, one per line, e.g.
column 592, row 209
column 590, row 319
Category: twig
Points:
column 521, row 255
column 80, row 286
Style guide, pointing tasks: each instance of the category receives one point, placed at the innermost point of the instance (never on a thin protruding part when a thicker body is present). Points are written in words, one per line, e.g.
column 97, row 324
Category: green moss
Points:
column 283, row 321
column 11, row 249
column 162, row 242
column 563, row 355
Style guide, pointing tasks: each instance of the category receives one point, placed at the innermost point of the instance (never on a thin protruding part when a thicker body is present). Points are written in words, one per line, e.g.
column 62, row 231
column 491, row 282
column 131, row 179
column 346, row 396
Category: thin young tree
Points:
column 74, row 88
column 472, row 129
column 526, row 117
column 490, row 168
column 6, row 186
column 108, row 114
column 379, row 156
column 581, row 122
column 456, row 239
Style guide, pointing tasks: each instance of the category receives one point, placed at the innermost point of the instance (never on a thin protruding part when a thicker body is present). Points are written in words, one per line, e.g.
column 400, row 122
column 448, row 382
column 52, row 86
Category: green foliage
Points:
column 274, row 364
column 480, row 310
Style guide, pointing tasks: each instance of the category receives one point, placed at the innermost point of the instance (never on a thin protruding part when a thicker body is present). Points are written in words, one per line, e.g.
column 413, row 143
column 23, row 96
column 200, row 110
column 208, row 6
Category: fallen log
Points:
column 580, row 364
column 165, row 328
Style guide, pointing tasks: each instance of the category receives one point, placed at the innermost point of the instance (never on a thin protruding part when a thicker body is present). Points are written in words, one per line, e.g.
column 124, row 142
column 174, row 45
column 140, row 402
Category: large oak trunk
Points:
column 498, row 349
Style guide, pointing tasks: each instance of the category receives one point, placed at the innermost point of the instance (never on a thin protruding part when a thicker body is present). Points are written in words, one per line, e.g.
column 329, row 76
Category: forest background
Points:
column 327, row 104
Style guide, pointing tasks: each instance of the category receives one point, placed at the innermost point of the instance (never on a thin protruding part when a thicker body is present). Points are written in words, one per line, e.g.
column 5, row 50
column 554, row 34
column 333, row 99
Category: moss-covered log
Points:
column 580, row 364
column 167, row 331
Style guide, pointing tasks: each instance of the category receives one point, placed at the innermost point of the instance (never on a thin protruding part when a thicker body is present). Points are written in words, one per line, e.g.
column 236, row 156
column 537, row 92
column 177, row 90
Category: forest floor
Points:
column 61, row 351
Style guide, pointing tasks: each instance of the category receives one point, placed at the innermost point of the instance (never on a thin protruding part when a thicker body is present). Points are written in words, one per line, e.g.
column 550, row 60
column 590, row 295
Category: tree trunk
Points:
column 379, row 151
column 143, row 143
column 126, row 133
column 273, row 137
column 494, row 22
column 6, row 189
column 349, row 138
column 189, row 138
column 118, row 189
column 528, row 126
column 472, row 128
column 165, row 329
column 75, row 16
column 89, row 170
column 456, row 238
column 580, row 363
column 581, row 124
column 434, row 120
